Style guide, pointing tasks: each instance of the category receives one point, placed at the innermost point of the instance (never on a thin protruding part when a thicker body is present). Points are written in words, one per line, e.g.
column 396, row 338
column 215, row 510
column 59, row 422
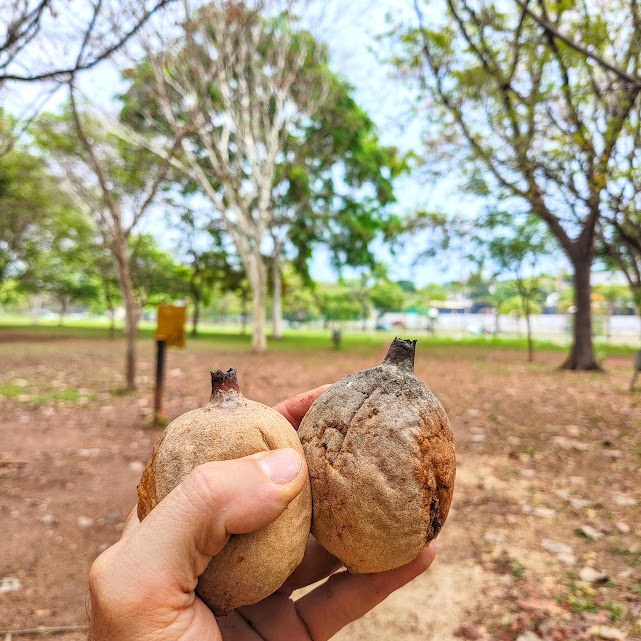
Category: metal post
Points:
column 159, row 415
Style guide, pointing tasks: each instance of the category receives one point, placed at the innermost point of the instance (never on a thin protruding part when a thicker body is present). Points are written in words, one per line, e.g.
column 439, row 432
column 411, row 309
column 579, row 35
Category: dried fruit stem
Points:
column 401, row 353
column 222, row 383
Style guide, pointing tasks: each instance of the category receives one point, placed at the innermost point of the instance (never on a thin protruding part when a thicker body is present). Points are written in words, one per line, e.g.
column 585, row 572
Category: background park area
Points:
column 310, row 179
column 543, row 534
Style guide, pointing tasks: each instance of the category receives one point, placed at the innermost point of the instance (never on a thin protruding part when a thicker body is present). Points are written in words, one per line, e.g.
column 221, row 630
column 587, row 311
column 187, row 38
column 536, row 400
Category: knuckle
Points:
column 206, row 487
column 98, row 572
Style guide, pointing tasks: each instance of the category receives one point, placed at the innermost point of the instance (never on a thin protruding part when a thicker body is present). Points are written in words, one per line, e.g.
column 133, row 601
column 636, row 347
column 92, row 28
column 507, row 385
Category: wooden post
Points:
column 637, row 368
column 159, row 415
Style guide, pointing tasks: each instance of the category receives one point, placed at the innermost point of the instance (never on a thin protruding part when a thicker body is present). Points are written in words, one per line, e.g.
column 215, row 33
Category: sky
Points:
column 350, row 31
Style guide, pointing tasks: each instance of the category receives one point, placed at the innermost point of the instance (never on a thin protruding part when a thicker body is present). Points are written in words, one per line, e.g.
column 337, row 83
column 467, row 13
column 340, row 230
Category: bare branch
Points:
column 554, row 32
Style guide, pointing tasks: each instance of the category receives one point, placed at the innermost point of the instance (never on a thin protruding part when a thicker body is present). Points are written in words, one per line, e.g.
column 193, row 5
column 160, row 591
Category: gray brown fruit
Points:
column 381, row 459
column 251, row 566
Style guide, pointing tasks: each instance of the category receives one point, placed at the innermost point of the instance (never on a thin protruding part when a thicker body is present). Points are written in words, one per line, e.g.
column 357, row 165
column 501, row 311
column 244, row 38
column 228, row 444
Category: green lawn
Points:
column 302, row 339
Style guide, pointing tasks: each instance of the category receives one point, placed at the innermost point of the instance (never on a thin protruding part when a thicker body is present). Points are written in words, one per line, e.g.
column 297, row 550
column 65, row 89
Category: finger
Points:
column 234, row 628
column 345, row 597
column 317, row 564
column 294, row 408
column 174, row 543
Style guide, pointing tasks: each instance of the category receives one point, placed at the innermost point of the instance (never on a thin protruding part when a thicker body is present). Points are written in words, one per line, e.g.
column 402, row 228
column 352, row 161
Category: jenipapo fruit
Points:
column 251, row 566
column 381, row 458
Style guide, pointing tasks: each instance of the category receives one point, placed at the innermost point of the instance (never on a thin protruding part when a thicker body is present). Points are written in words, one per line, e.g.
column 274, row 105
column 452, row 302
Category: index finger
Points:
column 294, row 408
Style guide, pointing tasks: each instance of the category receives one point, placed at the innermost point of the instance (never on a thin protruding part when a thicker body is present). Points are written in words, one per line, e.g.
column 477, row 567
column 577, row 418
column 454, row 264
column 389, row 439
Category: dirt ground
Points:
column 544, row 536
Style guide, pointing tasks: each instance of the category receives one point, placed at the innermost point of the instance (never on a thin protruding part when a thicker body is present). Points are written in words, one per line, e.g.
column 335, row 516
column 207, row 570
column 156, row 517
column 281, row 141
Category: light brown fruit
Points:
column 381, row 459
column 251, row 566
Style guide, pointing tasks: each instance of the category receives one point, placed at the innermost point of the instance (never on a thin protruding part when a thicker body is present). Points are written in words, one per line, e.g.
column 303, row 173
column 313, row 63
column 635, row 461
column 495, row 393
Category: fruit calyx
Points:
column 224, row 385
column 401, row 354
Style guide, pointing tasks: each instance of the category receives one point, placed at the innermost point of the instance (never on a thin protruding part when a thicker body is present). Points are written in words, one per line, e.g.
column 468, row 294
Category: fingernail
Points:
column 282, row 466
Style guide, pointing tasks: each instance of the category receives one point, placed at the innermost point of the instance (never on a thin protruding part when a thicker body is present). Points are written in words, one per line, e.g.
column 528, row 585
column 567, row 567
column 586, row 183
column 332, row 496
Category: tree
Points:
column 116, row 183
column 234, row 280
column 514, row 306
column 65, row 267
column 300, row 303
column 619, row 234
column 156, row 278
column 107, row 273
column 611, row 295
column 519, row 252
column 266, row 130
column 337, row 304
column 543, row 126
column 387, row 296
column 30, row 198
column 360, row 291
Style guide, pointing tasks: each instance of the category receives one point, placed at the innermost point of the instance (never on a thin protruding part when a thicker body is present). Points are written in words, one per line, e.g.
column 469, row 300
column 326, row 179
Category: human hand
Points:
column 142, row 588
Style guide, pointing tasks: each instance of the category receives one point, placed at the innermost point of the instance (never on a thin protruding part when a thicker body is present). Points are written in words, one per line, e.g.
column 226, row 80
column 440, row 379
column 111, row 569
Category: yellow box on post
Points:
column 170, row 332
column 171, row 325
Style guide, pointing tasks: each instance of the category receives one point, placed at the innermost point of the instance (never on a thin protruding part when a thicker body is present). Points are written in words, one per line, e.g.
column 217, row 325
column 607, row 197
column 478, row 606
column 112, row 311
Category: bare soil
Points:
column 541, row 454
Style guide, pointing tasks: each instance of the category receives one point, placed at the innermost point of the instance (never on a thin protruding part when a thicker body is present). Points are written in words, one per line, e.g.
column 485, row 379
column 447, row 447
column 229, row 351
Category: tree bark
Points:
column 256, row 274
column 259, row 334
column 277, row 299
column 121, row 253
column 63, row 310
column 196, row 318
column 530, row 346
column 582, row 355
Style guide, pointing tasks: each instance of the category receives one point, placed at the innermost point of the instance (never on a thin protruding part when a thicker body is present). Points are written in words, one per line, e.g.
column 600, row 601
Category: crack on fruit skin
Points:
column 262, row 436
column 343, row 430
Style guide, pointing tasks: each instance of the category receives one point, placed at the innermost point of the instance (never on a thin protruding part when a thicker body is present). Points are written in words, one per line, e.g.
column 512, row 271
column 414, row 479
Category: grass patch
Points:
column 582, row 605
column 67, row 395
column 293, row 339
column 632, row 557
column 11, row 389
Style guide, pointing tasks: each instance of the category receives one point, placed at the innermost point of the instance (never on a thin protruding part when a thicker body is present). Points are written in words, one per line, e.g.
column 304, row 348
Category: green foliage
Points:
column 65, row 268
column 156, row 277
column 613, row 295
column 30, row 200
column 387, row 297
column 514, row 307
column 337, row 304
column 130, row 169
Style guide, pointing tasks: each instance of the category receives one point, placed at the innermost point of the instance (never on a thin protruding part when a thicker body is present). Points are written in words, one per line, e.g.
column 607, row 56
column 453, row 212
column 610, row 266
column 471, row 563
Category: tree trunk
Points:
column 121, row 254
column 530, row 346
column 63, row 310
column 259, row 333
column 277, row 299
column 497, row 327
column 196, row 318
column 256, row 274
column 112, row 325
column 582, row 355
column 243, row 327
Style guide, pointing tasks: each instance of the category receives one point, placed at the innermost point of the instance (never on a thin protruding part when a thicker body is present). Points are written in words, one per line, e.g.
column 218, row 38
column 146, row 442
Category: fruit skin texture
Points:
column 251, row 566
column 380, row 453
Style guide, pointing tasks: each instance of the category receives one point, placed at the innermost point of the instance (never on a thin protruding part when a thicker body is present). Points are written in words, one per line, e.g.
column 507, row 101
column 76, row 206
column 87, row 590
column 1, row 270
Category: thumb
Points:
column 178, row 538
